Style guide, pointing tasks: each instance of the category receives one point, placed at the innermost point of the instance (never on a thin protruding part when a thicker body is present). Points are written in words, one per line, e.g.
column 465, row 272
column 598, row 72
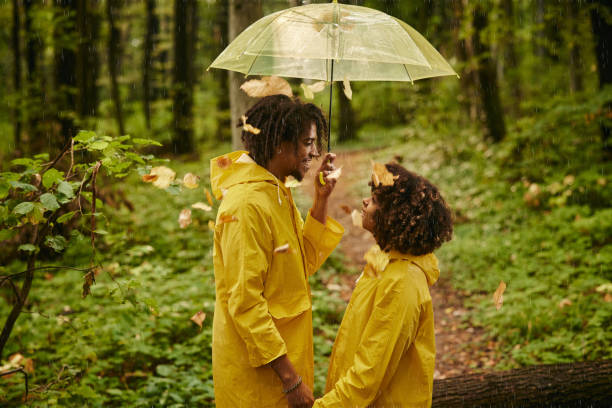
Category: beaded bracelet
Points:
column 294, row 386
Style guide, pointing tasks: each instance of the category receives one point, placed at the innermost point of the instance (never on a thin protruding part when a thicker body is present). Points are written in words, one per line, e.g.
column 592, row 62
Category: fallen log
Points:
column 583, row 384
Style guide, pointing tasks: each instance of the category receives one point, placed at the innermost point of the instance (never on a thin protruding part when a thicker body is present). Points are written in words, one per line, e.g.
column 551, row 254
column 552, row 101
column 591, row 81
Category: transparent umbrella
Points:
column 333, row 42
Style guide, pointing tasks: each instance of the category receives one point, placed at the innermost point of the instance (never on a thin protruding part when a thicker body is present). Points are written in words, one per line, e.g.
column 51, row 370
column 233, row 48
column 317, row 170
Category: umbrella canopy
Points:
column 333, row 42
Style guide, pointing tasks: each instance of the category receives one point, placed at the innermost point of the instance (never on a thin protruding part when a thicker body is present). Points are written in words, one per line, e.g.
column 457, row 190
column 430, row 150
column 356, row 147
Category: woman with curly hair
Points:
column 384, row 352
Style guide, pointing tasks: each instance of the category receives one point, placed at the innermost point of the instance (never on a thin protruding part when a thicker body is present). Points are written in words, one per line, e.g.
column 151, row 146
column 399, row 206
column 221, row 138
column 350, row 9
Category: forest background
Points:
column 99, row 276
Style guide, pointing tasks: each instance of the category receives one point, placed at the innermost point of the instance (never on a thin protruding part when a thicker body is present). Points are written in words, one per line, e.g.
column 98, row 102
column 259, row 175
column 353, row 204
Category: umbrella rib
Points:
column 397, row 21
column 265, row 43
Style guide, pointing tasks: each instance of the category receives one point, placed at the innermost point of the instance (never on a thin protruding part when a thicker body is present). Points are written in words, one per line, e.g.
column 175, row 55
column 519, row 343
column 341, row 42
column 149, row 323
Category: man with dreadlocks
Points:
column 263, row 255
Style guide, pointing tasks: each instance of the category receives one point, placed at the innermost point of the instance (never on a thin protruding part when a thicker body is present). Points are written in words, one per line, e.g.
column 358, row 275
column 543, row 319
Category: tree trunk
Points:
column 184, row 53
column 220, row 33
column 511, row 62
column 152, row 29
column 346, row 121
column 16, row 75
column 575, row 63
column 65, row 72
column 88, row 24
column 602, row 33
column 486, row 72
column 241, row 14
column 584, row 384
column 114, row 37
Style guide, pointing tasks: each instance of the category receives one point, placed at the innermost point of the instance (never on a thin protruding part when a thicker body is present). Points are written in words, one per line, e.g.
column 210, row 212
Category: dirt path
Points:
column 460, row 348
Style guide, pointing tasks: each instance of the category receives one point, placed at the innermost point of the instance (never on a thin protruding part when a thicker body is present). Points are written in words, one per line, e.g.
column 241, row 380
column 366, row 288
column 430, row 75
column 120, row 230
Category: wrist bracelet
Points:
column 294, row 386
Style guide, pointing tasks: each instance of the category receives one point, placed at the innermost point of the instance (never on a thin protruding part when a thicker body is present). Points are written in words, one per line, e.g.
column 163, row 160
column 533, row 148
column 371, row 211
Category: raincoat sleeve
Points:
column 247, row 247
column 392, row 326
column 320, row 240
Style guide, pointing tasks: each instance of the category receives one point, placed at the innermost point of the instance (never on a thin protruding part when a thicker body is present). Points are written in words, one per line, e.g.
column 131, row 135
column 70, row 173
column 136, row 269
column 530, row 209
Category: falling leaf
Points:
column 211, row 225
column 334, row 287
column 201, row 206
column 283, row 249
column 346, row 208
column 498, row 296
column 198, row 318
column 565, row 302
column 291, row 182
column 89, row 280
column 208, row 197
column 310, row 90
column 184, row 218
column 382, row 176
column 357, row 219
column 247, row 127
column 148, row 178
column 347, row 89
column 266, row 86
column 377, row 259
column 165, row 176
column 224, row 162
column 191, row 181
column 225, row 218
column 335, row 175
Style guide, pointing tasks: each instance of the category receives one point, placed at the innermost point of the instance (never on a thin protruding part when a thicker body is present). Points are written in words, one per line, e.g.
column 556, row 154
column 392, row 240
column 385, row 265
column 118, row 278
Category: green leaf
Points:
column 23, row 161
column 57, row 242
column 4, row 189
column 7, row 234
column 146, row 142
column 84, row 136
column 65, row 217
column 22, row 186
column 23, row 208
column 52, row 176
column 49, row 201
column 66, row 189
column 101, row 232
column 28, row 248
column 98, row 145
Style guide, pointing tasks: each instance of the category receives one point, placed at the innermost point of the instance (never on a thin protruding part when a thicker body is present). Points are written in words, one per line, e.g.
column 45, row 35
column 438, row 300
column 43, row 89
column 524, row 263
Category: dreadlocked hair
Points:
column 412, row 217
column 280, row 119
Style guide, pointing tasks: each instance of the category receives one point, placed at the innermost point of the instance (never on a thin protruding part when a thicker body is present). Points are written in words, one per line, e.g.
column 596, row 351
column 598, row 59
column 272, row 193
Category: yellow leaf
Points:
column 165, row 176
column 377, row 259
column 382, row 176
column 201, row 206
column 335, row 174
column 266, row 86
column 498, row 296
column 208, row 197
column 226, row 218
column 184, row 218
column 211, row 225
column 191, row 181
column 565, row 302
column 291, row 182
column 198, row 318
column 310, row 90
column 347, row 89
column 148, row 178
column 249, row 128
column 346, row 208
column 224, row 162
column 283, row 249
column 308, row 94
column 357, row 219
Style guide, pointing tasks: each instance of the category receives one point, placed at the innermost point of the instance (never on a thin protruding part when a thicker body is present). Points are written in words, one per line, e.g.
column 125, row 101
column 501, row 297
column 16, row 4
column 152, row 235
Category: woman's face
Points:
column 367, row 213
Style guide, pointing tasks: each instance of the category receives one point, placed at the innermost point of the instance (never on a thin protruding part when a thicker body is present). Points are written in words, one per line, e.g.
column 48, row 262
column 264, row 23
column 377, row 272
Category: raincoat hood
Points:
column 377, row 261
column 237, row 168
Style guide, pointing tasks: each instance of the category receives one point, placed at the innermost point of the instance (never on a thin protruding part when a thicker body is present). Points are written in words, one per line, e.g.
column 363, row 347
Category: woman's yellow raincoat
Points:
column 263, row 304
column 385, row 350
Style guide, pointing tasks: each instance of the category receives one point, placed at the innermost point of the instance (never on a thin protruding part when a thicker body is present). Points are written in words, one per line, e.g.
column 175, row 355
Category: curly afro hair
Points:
column 412, row 216
column 280, row 119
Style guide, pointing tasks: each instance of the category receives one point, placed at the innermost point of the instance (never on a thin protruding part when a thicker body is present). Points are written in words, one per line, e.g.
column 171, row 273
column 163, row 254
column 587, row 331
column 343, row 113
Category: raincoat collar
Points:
column 377, row 261
column 237, row 168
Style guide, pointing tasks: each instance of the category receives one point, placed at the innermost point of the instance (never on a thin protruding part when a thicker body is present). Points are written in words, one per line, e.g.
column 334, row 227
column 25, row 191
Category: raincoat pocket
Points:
column 288, row 307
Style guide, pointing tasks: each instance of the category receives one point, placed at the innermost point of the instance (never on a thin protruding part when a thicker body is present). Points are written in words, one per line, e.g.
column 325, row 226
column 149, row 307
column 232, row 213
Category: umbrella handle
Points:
column 329, row 116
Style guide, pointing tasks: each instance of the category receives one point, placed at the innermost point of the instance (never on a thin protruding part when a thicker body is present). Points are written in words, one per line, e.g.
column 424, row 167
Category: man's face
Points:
column 299, row 162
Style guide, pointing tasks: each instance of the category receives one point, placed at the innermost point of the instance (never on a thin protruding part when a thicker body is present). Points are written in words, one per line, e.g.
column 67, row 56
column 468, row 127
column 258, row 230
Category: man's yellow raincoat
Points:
column 385, row 350
column 263, row 305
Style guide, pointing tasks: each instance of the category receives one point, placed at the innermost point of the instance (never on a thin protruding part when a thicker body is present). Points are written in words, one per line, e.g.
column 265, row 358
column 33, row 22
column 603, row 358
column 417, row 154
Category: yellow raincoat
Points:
column 263, row 305
column 385, row 350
